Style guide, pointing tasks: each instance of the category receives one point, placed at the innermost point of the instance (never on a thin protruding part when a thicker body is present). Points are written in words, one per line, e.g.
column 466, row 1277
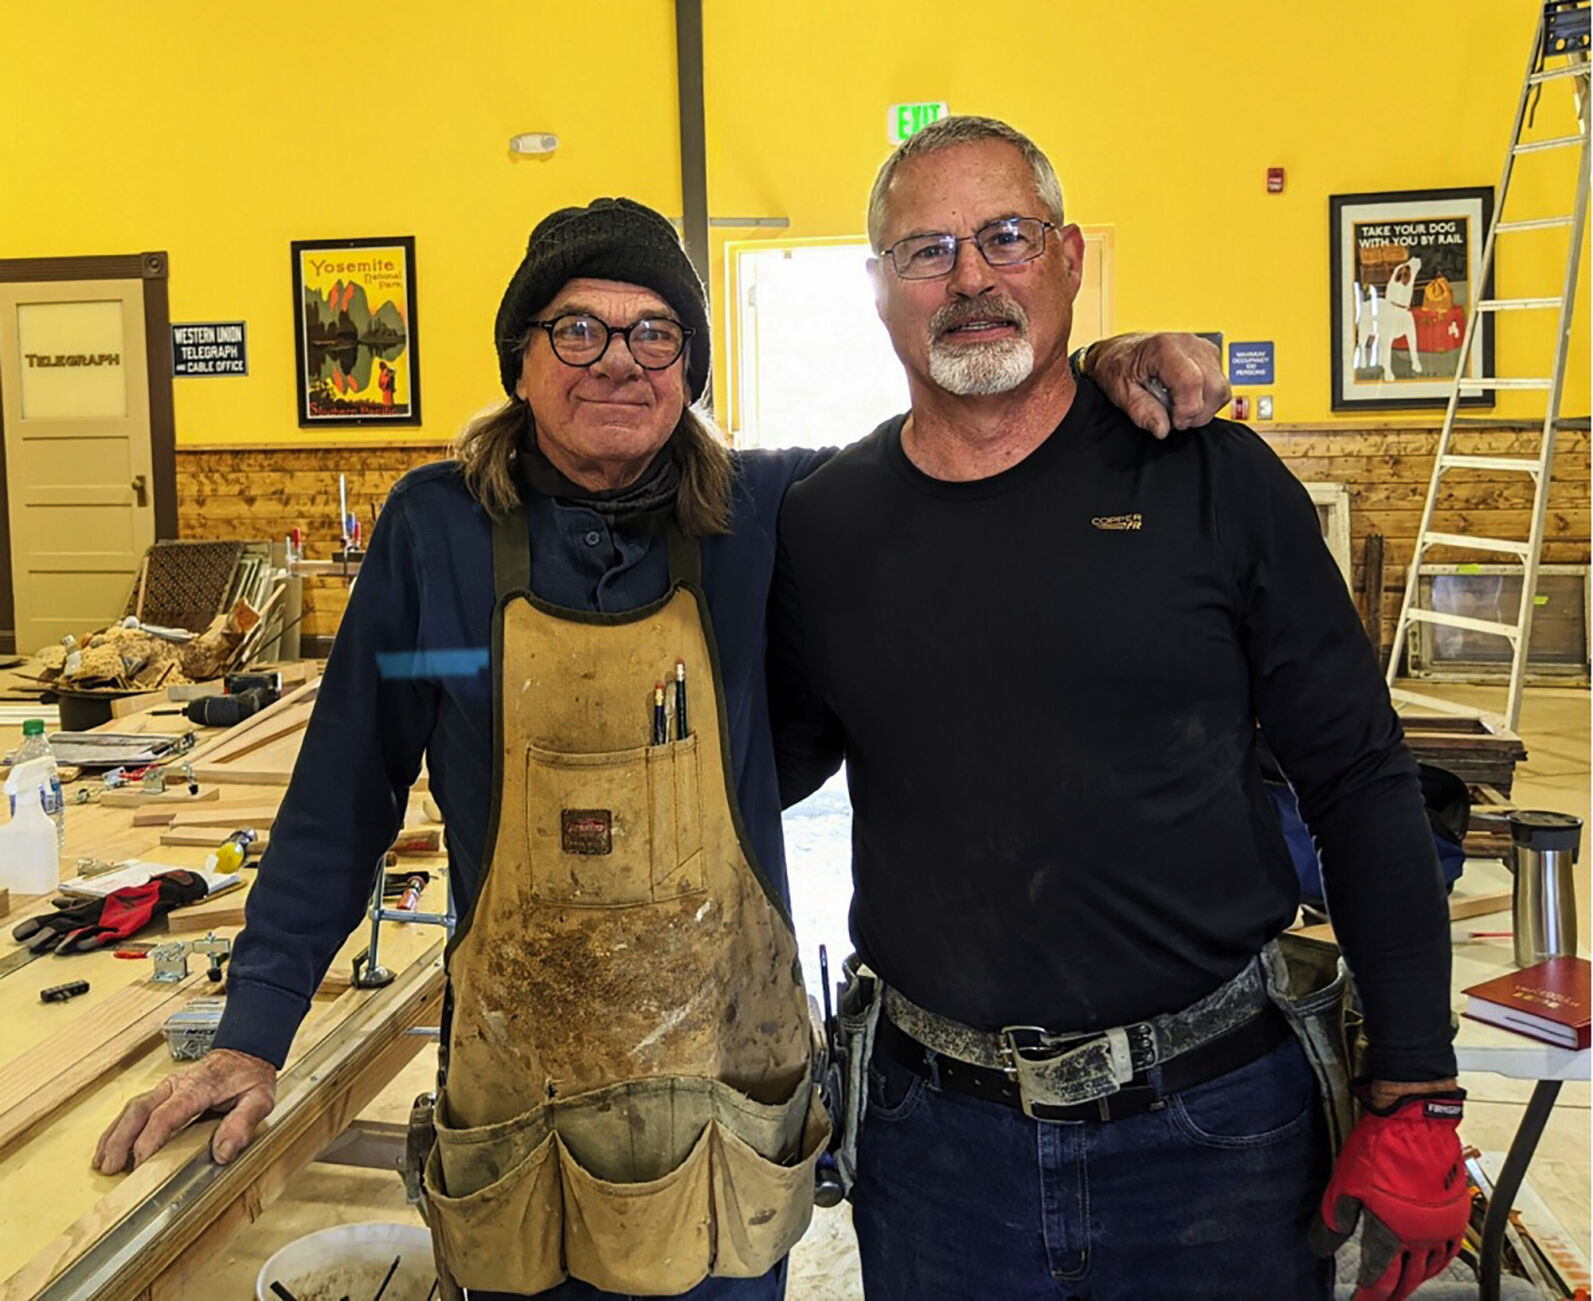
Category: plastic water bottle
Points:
column 29, row 860
column 34, row 746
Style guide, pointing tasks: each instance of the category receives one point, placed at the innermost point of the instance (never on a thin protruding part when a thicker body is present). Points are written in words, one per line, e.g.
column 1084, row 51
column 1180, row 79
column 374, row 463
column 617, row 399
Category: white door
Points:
column 74, row 399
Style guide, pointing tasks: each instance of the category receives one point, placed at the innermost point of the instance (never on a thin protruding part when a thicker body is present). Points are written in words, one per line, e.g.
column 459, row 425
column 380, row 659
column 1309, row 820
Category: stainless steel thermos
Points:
column 1543, row 850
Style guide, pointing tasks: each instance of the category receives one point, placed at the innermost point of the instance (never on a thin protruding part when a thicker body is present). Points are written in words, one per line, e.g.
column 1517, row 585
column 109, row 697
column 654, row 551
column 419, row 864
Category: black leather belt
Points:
column 1227, row 1052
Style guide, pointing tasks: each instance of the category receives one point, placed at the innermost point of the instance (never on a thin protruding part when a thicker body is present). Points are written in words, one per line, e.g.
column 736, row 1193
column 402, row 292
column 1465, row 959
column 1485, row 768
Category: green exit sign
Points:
column 904, row 120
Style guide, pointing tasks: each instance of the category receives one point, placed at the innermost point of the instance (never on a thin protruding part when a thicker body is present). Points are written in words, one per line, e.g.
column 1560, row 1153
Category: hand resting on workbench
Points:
column 243, row 1087
column 1189, row 368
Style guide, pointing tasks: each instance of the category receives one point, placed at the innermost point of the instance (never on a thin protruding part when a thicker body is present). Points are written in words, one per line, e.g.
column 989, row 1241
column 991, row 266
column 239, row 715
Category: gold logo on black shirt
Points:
column 1118, row 522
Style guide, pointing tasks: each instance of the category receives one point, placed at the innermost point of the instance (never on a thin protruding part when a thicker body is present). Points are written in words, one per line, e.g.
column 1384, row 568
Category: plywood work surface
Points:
column 55, row 1160
column 67, row 1206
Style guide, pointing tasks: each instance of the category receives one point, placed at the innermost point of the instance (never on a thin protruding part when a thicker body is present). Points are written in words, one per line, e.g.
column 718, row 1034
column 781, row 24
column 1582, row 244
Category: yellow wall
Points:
column 221, row 134
column 1162, row 117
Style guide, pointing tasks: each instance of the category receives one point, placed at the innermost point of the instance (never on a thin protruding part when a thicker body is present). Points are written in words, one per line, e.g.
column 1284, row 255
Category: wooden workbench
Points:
column 70, row 1232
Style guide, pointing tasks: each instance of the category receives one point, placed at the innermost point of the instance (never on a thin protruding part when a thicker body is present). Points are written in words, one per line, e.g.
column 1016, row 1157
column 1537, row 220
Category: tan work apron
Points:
column 628, row 1096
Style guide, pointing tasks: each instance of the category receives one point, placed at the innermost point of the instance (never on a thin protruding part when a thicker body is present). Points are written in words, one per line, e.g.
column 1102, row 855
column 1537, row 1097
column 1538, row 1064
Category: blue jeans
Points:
column 1209, row 1195
column 768, row 1287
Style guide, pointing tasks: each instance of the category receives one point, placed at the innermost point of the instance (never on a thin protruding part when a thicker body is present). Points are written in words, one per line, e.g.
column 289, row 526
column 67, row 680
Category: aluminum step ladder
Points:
column 1559, row 54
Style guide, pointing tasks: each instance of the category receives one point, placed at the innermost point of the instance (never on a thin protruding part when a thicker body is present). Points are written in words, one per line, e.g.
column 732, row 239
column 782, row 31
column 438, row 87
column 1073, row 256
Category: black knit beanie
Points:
column 609, row 239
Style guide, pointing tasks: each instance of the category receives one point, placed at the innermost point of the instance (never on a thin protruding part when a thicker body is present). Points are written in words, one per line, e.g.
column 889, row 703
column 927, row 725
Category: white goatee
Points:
column 975, row 368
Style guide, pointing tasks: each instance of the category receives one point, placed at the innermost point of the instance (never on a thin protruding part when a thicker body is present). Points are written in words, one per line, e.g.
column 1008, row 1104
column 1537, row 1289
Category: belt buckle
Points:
column 1035, row 1046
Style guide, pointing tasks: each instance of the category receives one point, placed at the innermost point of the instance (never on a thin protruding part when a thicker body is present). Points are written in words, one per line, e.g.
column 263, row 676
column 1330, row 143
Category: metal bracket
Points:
column 171, row 959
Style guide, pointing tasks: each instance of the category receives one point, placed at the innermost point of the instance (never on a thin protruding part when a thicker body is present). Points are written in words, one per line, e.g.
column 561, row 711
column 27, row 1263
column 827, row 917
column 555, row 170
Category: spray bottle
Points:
column 29, row 860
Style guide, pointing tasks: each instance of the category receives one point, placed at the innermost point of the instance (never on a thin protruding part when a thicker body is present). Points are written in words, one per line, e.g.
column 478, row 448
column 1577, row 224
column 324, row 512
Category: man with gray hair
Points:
column 1042, row 645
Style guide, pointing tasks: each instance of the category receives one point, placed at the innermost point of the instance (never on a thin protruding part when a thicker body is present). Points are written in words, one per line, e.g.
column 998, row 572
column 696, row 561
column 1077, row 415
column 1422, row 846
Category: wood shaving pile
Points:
column 129, row 659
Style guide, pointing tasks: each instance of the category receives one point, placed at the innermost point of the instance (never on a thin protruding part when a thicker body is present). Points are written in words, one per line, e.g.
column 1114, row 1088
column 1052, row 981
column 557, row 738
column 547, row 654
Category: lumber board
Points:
column 196, row 919
column 285, row 725
column 231, row 816
column 210, row 837
column 50, row 1074
column 246, row 776
column 5, row 903
column 124, row 706
column 141, row 799
column 186, row 691
column 1478, row 905
column 418, row 840
column 1461, row 908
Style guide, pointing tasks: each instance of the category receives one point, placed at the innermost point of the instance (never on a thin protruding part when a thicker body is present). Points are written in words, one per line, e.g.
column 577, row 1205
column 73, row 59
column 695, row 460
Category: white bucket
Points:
column 351, row 1260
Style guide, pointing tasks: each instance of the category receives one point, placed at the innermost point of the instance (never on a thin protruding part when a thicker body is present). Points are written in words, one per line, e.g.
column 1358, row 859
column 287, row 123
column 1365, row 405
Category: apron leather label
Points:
column 586, row 831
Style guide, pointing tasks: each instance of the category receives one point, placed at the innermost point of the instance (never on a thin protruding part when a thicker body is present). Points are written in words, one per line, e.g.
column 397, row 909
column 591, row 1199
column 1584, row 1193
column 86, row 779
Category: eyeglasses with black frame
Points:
column 580, row 339
column 1006, row 242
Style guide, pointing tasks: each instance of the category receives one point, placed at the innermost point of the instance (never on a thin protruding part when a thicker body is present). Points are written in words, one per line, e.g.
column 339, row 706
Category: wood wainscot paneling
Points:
column 1387, row 470
column 261, row 492
column 264, row 493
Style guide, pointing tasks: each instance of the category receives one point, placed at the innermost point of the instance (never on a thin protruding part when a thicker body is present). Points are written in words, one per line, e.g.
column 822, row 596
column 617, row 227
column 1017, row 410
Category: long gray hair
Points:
column 487, row 446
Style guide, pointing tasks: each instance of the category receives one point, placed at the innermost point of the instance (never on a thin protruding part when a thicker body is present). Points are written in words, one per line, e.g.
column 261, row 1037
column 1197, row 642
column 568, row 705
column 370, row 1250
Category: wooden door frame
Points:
column 151, row 268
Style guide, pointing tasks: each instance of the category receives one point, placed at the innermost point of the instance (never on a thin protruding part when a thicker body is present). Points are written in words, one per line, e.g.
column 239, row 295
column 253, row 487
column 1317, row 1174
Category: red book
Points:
column 1548, row 1001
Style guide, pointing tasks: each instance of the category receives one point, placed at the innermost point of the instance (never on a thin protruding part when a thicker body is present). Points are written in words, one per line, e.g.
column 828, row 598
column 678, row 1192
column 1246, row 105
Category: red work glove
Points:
column 1401, row 1172
column 93, row 923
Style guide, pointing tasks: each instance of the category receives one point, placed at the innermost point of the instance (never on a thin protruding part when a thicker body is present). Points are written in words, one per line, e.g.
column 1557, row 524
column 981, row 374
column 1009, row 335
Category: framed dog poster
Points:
column 1404, row 270
column 354, row 327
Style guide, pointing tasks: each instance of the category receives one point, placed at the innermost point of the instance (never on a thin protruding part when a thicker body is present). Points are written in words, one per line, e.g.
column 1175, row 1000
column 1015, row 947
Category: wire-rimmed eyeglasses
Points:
column 579, row 339
column 1008, row 242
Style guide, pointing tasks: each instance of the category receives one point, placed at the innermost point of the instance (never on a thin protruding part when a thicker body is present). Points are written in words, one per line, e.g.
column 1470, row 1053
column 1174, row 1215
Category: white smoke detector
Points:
column 534, row 142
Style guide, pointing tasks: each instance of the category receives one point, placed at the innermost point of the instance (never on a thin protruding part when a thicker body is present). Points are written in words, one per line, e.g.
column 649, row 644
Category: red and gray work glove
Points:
column 80, row 925
column 1401, row 1174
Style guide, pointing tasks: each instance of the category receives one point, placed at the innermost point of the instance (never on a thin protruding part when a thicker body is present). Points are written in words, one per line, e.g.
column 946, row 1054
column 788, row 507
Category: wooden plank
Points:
column 183, row 692
column 418, row 840
column 245, row 776
column 210, row 837
column 140, row 799
column 1460, row 909
column 48, row 1076
column 232, row 816
column 1479, row 905
column 285, row 725
column 5, row 903
column 123, row 706
column 210, row 914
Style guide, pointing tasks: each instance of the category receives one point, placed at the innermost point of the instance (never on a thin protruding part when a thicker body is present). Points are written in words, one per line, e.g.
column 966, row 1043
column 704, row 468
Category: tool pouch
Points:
column 418, row 1143
column 419, row 1140
column 1311, row 986
column 857, row 1015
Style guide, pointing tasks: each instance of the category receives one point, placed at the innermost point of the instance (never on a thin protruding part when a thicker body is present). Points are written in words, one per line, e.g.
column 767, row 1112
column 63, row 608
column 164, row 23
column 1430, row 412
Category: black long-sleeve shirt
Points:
column 1046, row 686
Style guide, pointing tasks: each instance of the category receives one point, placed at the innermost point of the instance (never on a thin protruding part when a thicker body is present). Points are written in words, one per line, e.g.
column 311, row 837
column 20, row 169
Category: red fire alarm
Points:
column 1274, row 180
column 1241, row 407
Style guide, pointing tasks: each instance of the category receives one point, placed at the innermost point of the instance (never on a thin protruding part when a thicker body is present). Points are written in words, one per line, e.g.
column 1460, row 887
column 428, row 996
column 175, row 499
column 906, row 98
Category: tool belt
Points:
column 1096, row 1075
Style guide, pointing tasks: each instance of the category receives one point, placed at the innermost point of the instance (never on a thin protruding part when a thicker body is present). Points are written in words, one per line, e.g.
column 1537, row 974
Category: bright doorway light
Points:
column 815, row 365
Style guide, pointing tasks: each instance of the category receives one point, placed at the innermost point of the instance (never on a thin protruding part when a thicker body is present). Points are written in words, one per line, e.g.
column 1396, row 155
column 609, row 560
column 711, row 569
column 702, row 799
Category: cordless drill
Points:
column 246, row 696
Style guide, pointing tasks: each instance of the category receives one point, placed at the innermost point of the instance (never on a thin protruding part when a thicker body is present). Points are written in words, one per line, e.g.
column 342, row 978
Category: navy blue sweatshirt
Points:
column 1046, row 685
column 409, row 676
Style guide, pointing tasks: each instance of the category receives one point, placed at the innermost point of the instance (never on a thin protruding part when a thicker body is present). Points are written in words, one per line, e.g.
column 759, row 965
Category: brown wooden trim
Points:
column 320, row 445
column 8, row 597
column 315, row 648
column 105, row 266
column 162, row 412
column 1405, row 426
